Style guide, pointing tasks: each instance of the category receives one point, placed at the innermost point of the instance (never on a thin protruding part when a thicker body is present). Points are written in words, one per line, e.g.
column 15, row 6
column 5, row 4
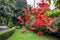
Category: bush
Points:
column 6, row 33
column 57, row 33
column 56, row 13
column 57, row 23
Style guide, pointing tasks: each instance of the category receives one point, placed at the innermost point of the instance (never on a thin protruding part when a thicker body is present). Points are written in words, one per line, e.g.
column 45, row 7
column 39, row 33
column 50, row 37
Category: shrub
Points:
column 6, row 33
column 57, row 23
column 35, row 19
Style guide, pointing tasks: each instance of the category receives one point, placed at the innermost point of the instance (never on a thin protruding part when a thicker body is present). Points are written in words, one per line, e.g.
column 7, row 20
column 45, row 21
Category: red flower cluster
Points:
column 43, row 5
column 40, row 18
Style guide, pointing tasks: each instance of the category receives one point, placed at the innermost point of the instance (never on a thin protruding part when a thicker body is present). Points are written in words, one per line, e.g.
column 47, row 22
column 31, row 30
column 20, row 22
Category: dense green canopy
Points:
column 11, row 9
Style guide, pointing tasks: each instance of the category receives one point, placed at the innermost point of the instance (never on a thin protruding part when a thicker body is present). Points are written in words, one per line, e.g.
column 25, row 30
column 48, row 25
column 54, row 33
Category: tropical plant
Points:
column 36, row 19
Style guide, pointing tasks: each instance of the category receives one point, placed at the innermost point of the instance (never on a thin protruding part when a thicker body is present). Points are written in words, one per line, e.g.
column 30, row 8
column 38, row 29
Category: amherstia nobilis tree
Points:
column 35, row 19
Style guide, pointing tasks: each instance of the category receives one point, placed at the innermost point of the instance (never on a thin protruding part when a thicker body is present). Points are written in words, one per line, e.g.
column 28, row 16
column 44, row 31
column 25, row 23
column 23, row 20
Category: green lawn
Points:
column 18, row 35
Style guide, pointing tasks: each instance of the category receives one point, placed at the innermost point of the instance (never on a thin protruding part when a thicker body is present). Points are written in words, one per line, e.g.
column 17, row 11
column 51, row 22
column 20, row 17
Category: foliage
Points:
column 55, row 13
column 11, row 8
column 57, row 23
column 49, row 12
column 10, row 23
column 57, row 4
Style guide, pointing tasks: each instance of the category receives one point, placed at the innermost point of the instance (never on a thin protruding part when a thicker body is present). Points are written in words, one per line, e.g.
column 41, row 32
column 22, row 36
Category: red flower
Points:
column 48, row 26
column 43, row 6
column 38, row 17
column 39, row 33
column 19, row 18
column 26, row 18
column 32, row 29
column 36, row 24
column 38, row 12
column 26, row 11
column 24, row 31
column 51, row 20
column 33, row 10
column 41, row 22
column 29, row 27
column 38, row 21
column 42, row 0
column 22, row 22
column 44, row 17
column 29, row 20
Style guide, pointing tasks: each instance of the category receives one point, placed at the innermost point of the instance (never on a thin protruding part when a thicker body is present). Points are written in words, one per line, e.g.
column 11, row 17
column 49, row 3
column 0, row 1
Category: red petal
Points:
column 32, row 29
column 42, row 0
column 42, row 22
column 22, row 22
column 40, row 33
column 19, row 18
column 29, row 27
column 48, row 26
column 29, row 21
column 24, row 31
column 36, row 24
column 51, row 20
column 26, row 11
column 32, row 10
column 44, row 17
column 26, row 18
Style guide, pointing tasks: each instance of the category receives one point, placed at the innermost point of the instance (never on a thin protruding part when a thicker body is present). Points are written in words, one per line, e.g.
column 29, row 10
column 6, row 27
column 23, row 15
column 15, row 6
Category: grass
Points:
column 18, row 35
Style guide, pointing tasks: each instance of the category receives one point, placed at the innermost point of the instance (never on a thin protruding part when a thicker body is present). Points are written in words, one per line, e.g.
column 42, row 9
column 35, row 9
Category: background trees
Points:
column 10, row 9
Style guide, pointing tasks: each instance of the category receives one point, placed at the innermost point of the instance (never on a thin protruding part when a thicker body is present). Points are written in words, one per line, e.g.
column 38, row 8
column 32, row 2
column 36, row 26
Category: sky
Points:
column 31, row 2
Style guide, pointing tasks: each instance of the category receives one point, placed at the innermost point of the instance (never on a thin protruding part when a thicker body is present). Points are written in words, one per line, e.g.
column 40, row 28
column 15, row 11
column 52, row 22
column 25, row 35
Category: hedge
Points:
column 6, row 33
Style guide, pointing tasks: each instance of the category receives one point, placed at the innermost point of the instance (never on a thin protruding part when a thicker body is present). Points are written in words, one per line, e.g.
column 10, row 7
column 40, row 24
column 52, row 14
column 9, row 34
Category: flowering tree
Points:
column 36, row 18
